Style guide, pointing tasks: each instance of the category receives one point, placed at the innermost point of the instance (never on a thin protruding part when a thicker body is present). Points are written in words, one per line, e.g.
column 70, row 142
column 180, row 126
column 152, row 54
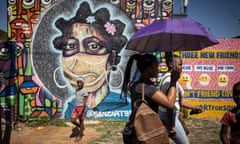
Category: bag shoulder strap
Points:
column 143, row 92
column 133, row 106
column 137, row 102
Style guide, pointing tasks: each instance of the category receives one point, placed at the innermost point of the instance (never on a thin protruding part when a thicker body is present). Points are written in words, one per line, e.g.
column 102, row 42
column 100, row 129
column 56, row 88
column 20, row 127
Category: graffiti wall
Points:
column 20, row 86
column 209, row 75
column 52, row 42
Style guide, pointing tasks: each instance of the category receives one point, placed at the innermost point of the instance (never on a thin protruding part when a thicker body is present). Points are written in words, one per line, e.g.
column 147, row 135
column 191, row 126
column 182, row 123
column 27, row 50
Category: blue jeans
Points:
column 181, row 137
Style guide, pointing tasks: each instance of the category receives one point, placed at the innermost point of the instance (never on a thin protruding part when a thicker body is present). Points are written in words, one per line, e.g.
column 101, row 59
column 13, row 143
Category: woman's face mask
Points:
column 91, row 67
column 85, row 54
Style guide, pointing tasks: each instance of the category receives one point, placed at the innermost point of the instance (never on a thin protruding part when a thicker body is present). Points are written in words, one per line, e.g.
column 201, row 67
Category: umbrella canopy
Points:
column 173, row 34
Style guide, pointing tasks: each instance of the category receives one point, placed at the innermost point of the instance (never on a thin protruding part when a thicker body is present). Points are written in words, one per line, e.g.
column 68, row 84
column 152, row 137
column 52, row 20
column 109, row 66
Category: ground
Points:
column 50, row 135
column 202, row 131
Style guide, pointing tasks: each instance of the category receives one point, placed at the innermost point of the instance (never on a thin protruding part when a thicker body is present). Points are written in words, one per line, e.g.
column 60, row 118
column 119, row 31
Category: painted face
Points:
column 222, row 80
column 85, row 54
column 162, row 67
column 167, row 8
column 131, row 4
column 4, row 52
column 204, row 79
column 185, row 79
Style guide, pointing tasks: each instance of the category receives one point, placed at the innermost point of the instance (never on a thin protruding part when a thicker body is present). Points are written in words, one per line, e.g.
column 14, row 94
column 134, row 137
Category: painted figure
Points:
column 89, row 43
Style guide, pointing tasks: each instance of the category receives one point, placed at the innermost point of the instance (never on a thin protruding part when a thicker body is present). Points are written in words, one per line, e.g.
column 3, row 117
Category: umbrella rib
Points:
column 149, row 38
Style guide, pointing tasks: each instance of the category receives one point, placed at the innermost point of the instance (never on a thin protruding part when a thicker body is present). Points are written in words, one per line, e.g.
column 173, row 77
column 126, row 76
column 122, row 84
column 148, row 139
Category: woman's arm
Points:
column 169, row 99
column 163, row 100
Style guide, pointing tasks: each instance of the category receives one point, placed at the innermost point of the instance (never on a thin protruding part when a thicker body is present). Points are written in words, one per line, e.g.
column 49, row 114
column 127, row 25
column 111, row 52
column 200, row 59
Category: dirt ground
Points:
column 202, row 131
column 50, row 135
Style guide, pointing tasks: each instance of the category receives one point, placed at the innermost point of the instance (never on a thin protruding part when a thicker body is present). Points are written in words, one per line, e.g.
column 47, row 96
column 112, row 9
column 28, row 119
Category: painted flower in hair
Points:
column 110, row 28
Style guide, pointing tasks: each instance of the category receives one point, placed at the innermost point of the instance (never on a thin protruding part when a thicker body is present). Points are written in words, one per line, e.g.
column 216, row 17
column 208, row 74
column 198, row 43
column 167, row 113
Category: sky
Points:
column 3, row 15
column 222, row 17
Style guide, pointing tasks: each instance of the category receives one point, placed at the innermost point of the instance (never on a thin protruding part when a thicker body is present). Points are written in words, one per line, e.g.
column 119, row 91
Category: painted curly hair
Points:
column 115, row 41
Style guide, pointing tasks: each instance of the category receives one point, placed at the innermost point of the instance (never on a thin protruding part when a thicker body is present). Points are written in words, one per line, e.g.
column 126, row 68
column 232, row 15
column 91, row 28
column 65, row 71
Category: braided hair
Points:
column 144, row 62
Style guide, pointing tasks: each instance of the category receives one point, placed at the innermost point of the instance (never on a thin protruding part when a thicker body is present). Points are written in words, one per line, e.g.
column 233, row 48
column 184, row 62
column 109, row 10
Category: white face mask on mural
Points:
column 91, row 67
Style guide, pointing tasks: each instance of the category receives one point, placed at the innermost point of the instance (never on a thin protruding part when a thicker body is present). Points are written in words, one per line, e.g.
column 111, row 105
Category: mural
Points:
column 54, row 41
column 21, row 91
column 87, row 44
column 208, row 77
column 7, row 78
column 143, row 12
column 51, row 42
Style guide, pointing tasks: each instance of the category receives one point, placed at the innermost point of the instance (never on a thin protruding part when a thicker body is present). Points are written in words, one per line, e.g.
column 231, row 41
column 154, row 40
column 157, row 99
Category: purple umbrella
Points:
column 173, row 34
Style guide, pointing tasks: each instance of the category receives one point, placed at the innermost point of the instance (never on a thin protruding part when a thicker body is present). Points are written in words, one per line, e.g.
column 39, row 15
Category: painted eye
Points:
column 72, row 46
column 18, row 49
column 4, row 51
column 96, row 48
column 69, row 46
column 93, row 45
column 149, row 2
column 11, row 1
column 46, row 2
column 28, row 2
column 167, row 4
column 115, row 1
column 131, row 3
